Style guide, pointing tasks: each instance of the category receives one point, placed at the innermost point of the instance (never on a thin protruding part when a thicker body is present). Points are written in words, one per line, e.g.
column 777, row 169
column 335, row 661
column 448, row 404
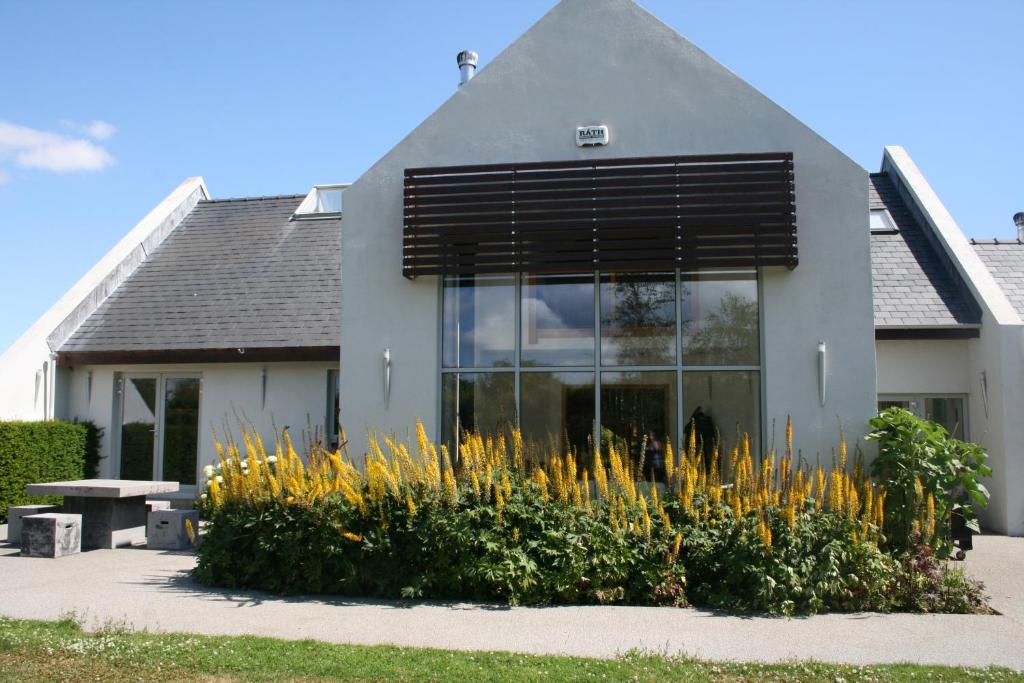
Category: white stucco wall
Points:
column 924, row 367
column 29, row 387
column 296, row 394
column 610, row 62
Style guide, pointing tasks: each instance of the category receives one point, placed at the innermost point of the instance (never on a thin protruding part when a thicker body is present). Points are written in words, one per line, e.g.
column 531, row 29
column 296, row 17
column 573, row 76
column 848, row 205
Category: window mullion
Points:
column 597, row 361
column 680, row 415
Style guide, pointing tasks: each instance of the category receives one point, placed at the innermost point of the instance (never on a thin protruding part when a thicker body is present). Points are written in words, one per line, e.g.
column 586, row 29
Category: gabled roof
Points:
column 914, row 285
column 236, row 274
column 1005, row 260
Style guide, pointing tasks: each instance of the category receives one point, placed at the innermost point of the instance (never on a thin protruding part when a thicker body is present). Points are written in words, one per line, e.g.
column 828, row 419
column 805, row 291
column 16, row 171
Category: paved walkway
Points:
column 152, row 590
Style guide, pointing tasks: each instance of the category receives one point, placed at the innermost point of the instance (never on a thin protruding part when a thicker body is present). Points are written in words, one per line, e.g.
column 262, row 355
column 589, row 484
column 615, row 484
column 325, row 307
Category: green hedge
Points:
column 32, row 452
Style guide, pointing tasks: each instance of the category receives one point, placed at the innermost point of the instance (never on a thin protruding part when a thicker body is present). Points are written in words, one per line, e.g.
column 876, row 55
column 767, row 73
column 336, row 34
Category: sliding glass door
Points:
column 159, row 430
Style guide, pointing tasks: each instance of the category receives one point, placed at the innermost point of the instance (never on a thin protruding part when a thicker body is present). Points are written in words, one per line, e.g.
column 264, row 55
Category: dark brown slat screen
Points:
column 656, row 213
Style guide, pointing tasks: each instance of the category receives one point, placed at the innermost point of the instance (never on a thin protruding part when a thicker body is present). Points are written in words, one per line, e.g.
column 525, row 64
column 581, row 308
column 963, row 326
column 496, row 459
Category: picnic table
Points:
column 113, row 510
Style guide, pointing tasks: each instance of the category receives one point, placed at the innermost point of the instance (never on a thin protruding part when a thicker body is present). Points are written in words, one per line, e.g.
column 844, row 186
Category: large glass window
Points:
column 558, row 410
column 479, row 322
column 719, row 407
column 641, row 360
column 159, row 427
column 558, row 320
column 479, row 402
column 638, row 319
column 720, row 319
column 638, row 416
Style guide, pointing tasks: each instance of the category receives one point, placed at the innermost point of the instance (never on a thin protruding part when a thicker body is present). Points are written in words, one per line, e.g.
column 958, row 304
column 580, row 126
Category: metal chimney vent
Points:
column 467, row 65
column 1018, row 220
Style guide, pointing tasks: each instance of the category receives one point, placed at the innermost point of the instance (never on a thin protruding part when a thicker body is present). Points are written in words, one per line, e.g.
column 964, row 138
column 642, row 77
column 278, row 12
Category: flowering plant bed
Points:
column 508, row 523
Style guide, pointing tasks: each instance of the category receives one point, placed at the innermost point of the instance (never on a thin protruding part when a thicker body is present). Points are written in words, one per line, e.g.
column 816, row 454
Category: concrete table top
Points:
column 102, row 488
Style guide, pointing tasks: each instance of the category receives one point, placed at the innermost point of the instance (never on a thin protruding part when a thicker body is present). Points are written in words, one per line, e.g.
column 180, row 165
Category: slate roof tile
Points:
column 236, row 273
column 913, row 284
column 1005, row 260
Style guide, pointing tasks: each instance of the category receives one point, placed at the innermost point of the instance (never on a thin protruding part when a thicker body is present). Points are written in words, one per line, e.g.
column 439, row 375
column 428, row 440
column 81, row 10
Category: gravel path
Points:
column 152, row 590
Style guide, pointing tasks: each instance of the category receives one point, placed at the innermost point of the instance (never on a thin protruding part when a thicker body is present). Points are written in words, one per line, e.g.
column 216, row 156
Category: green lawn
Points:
column 61, row 651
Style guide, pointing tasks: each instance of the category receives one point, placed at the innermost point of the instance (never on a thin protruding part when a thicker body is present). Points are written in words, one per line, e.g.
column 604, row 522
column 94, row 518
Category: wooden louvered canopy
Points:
column 641, row 214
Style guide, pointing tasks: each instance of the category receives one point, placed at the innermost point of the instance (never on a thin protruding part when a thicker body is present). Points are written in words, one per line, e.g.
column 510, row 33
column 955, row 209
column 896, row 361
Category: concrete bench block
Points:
column 16, row 513
column 51, row 534
column 152, row 505
column 165, row 529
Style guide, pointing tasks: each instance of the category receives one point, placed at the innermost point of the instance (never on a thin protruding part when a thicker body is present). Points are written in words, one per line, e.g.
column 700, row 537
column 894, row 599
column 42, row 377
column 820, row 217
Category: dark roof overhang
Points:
column 925, row 333
column 237, row 355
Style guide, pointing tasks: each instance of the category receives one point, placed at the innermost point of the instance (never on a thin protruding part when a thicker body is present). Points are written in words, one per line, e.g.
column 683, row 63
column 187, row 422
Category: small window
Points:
column 881, row 222
column 323, row 201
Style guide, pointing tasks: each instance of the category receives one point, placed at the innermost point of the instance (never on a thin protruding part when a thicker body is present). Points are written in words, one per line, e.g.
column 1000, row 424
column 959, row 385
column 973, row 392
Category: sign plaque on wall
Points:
column 588, row 136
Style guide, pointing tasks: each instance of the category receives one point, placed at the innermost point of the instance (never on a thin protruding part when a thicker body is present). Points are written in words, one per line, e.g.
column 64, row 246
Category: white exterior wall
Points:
column 610, row 62
column 924, row 367
column 996, row 415
column 28, row 381
column 296, row 394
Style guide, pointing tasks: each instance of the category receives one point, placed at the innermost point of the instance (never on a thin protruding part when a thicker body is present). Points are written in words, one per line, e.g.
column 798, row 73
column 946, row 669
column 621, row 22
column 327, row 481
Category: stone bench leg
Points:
column 16, row 513
column 51, row 534
column 109, row 522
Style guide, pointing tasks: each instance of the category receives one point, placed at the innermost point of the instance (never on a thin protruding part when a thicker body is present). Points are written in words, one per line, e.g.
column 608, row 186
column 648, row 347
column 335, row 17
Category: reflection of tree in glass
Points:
column 181, row 430
column 137, row 450
column 727, row 335
column 640, row 323
column 486, row 401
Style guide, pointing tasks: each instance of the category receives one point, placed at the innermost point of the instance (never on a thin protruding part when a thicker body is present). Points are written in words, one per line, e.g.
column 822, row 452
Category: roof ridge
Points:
column 253, row 199
column 1011, row 242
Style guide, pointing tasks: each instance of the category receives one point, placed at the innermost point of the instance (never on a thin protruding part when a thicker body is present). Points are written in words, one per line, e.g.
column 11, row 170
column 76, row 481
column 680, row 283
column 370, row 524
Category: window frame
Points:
column 889, row 225
column 161, row 377
column 916, row 405
column 306, row 211
column 679, row 368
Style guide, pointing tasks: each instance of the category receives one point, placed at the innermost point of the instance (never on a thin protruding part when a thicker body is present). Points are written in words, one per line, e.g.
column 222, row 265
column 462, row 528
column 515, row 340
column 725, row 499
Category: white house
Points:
column 604, row 234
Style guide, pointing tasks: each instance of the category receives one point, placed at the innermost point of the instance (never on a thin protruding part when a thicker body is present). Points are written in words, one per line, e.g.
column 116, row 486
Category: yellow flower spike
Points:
column 476, row 485
column 349, row 536
column 450, row 487
column 600, row 476
column 506, row 483
column 842, row 450
column 789, row 436
column 764, row 533
column 410, row 505
column 677, row 543
column 929, row 519
column 670, row 464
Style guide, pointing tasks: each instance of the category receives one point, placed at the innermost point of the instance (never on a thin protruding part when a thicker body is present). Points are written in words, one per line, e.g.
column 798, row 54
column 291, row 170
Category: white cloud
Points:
column 32, row 148
column 97, row 130
column 100, row 130
column 4, row 176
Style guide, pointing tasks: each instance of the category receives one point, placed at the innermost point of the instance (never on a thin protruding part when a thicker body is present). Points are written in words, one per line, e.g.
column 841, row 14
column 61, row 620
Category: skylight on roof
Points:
column 881, row 222
column 323, row 201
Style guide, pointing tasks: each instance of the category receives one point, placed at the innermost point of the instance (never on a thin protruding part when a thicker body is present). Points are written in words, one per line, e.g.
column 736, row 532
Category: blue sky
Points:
column 106, row 107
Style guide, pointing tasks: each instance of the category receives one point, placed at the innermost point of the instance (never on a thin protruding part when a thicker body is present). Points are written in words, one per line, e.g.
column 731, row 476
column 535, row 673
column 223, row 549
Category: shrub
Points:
column 32, row 452
column 780, row 536
column 928, row 476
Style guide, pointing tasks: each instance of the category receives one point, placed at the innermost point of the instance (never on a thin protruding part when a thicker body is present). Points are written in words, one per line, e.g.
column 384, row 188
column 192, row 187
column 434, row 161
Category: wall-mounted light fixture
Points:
column 984, row 392
column 822, row 371
column 263, row 388
column 88, row 387
column 387, row 378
